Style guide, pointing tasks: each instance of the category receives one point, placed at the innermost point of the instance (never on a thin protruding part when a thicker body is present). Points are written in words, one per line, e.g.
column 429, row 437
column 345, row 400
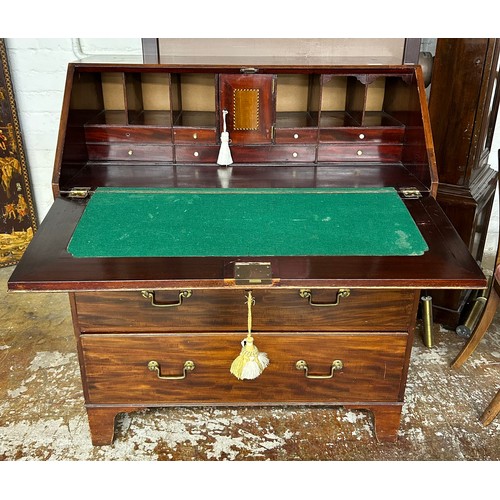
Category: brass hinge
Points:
column 79, row 192
column 410, row 192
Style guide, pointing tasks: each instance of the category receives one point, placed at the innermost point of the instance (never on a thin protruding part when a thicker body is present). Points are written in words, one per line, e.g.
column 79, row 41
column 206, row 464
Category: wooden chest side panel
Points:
column 117, row 368
column 225, row 310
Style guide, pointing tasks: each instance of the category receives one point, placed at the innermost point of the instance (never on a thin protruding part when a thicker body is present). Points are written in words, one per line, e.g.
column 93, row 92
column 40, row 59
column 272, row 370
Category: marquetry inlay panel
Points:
column 246, row 109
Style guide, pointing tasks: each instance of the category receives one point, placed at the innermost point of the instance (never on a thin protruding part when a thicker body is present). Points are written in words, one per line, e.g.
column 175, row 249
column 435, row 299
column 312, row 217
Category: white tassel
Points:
column 225, row 157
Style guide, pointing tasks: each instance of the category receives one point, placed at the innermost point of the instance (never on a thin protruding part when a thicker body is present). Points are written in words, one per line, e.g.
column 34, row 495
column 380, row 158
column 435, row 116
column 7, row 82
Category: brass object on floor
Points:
column 480, row 301
column 428, row 322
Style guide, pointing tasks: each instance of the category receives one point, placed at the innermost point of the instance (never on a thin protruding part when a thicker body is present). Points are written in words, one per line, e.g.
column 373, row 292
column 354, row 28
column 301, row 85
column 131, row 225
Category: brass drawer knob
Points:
column 343, row 293
column 184, row 294
column 155, row 366
column 195, row 136
column 336, row 366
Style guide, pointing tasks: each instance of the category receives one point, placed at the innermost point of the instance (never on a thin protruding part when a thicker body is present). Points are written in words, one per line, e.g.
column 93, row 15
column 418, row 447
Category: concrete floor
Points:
column 42, row 416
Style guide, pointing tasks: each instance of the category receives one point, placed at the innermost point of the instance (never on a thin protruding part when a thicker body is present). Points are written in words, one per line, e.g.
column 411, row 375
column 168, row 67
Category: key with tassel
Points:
column 251, row 362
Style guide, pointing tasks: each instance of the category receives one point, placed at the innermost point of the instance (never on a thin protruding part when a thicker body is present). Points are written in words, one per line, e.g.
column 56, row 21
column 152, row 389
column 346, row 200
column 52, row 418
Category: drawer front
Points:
column 197, row 153
column 128, row 134
column 296, row 135
column 361, row 135
column 117, row 371
column 361, row 152
column 194, row 135
column 292, row 153
column 225, row 310
column 129, row 152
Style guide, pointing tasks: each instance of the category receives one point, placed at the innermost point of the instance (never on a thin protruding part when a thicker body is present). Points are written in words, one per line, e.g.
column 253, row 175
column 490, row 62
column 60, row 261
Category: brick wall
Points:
column 38, row 71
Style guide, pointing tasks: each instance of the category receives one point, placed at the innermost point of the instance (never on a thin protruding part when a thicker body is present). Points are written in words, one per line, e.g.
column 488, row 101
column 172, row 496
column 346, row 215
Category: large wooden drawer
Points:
column 225, row 310
column 116, row 368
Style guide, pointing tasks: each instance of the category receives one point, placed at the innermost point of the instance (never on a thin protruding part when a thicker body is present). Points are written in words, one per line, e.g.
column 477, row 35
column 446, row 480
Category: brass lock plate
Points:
column 253, row 273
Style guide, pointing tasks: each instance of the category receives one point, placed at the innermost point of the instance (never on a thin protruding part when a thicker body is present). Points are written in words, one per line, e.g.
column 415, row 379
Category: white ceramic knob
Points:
column 295, row 136
column 361, row 136
column 196, row 153
column 295, row 155
column 359, row 152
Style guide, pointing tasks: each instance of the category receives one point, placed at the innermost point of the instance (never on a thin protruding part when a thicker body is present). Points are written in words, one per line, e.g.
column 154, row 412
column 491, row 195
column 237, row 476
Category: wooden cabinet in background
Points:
column 463, row 109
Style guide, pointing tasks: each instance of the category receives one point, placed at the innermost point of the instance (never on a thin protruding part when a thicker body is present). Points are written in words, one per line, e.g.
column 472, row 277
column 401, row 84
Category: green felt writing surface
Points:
column 128, row 222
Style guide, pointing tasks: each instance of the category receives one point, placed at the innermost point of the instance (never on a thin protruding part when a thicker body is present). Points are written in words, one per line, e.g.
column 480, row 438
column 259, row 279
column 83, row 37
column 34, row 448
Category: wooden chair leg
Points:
column 492, row 411
column 480, row 330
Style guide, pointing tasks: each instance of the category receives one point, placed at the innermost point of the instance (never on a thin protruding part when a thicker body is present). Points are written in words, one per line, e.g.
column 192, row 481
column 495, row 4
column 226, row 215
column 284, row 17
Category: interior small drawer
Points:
column 162, row 135
column 225, row 310
column 362, row 135
column 196, row 153
column 281, row 153
column 296, row 135
column 360, row 152
column 194, row 135
column 318, row 368
column 129, row 152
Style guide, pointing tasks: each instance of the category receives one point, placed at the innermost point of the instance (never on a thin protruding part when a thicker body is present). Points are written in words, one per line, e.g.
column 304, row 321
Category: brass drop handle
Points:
column 155, row 366
column 307, row 294
column 184, row 294
column 302, row 365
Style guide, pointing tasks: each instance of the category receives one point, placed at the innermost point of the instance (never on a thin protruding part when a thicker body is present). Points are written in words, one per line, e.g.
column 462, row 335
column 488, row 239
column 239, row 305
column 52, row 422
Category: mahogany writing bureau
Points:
column 326, row 216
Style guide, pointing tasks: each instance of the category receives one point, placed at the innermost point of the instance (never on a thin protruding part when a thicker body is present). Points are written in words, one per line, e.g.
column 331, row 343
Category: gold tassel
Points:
column 250, row 363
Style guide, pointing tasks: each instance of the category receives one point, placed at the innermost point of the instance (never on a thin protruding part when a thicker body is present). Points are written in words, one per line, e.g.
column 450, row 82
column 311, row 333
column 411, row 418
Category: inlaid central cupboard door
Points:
column 249, row 100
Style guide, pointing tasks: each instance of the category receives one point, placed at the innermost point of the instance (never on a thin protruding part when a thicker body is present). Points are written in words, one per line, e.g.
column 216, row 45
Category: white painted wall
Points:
column 38, row 71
